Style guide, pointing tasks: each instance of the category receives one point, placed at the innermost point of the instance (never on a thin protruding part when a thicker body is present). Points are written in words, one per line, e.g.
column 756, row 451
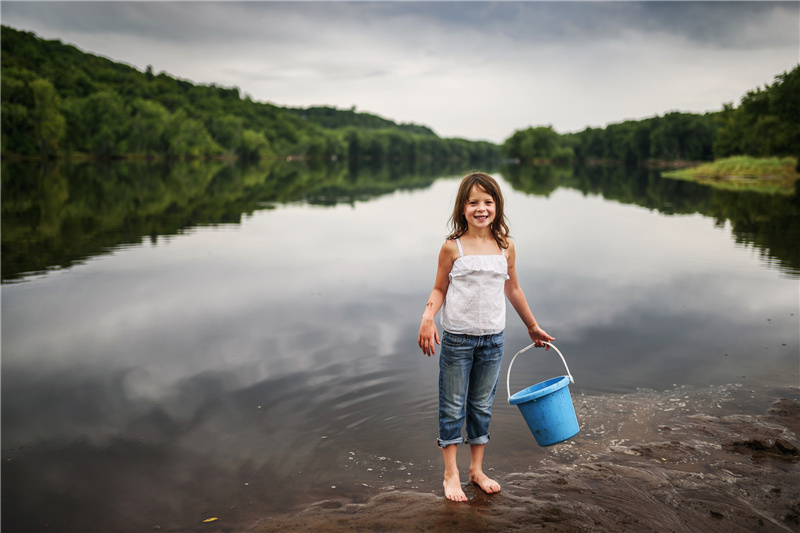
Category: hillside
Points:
column 333, row 118
column 766, row 123
column 60, row 101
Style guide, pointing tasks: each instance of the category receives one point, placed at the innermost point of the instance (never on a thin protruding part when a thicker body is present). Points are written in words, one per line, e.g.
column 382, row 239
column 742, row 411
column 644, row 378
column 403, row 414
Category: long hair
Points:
column 458, row 222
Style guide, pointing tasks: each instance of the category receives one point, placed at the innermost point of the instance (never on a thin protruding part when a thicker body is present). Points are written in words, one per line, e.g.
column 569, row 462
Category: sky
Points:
column 474, row 70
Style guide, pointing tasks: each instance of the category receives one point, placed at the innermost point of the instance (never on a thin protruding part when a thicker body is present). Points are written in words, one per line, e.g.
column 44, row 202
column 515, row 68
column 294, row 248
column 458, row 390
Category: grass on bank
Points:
column 768, row 174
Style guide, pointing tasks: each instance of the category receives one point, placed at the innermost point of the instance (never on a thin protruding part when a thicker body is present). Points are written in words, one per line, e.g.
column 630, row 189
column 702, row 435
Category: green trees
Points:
column 226, row 130
column 48, row 122
column 253, row 145
column 767, row 121
column 187, row 137
column 358, row 144
column 57, row 100
column 148, row 122
column 674, row 136
column 17, row 116
column 542, row 143
column 686, row 136
column 97, row 123
column 333, row 118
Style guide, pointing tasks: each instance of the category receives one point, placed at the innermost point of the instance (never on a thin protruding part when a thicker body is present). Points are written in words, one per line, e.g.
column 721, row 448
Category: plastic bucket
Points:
column 547, row 406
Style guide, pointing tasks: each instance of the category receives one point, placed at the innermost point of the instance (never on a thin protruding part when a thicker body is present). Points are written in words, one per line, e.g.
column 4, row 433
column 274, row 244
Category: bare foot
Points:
column 488, row 485
column 453, row 490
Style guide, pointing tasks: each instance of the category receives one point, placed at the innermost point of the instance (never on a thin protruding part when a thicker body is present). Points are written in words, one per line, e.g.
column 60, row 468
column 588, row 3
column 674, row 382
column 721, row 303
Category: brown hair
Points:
column 458, row 222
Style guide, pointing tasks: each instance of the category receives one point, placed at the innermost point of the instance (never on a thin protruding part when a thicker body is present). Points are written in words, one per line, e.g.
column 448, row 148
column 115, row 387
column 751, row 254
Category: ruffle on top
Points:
column 467, row 264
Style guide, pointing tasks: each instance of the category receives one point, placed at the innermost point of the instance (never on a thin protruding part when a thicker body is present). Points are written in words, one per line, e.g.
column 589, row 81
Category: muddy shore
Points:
column 682, row 470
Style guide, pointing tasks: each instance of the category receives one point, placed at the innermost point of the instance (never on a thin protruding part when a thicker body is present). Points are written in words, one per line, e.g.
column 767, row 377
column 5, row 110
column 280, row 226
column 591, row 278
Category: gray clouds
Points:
column 472, row 69
column 720, row 24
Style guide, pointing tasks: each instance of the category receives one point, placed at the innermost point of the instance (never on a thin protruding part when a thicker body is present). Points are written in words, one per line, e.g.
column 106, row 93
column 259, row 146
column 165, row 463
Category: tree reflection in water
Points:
column 55, row 213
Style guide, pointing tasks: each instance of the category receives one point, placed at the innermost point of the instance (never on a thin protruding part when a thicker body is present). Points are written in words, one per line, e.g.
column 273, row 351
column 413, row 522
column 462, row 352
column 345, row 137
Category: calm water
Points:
column 206, row 341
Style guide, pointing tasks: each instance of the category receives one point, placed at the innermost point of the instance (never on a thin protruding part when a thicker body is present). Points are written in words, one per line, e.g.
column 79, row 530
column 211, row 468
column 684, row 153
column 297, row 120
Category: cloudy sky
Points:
column 477, row 70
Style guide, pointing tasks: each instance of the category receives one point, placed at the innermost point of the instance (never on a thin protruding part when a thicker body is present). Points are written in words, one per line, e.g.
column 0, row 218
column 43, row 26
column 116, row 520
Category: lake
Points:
column 203, row 340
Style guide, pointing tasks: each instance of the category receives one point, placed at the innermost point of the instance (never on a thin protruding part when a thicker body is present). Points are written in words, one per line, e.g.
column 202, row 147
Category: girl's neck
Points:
column 481, row 235
column 479, row 242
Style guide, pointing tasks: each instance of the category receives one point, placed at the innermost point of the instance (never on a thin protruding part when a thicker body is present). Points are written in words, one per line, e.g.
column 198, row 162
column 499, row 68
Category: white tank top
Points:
column 475, row 302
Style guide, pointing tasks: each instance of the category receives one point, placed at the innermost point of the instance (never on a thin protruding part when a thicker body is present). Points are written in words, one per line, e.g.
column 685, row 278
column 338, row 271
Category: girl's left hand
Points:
column 539, row 336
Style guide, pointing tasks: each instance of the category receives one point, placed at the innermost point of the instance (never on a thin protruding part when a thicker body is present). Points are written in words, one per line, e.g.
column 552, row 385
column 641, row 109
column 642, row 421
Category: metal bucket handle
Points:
column 508, row 377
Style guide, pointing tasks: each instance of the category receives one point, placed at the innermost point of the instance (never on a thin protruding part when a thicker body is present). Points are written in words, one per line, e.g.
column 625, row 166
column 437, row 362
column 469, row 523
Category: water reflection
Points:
column 55, row 213
column 236, row 359
column 770, row 223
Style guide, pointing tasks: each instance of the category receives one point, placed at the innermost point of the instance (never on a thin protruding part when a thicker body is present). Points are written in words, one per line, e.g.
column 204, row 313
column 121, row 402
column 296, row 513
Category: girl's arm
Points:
column 520, row 303
column 428, row 334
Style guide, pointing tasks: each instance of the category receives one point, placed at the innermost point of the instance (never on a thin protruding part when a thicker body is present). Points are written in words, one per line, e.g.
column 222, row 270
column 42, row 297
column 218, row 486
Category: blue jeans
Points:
column 469, row 367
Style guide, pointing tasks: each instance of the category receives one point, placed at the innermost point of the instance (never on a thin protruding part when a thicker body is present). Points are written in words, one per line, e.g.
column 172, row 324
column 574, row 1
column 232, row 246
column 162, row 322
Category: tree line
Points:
column 58, row 100
column 766, row 123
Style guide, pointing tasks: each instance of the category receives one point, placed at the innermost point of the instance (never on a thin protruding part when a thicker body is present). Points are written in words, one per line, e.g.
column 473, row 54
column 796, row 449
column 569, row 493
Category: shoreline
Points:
column 690, row 472
column 717, row 458
column 764, row 174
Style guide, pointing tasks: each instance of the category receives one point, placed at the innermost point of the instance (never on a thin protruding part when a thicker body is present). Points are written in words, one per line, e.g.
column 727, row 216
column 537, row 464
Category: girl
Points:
column 476, row 267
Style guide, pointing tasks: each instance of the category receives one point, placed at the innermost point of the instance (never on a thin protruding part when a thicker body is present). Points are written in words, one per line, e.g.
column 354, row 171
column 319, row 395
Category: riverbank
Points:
column 770, row 174
column 687, row 471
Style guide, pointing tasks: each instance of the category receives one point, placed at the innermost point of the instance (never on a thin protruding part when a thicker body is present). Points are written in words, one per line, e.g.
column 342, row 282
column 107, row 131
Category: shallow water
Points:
column 646, row 461
column 244, row 359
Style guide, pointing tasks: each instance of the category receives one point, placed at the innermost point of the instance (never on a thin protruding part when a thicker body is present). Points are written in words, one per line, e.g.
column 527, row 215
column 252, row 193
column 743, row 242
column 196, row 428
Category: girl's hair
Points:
column 458, row 222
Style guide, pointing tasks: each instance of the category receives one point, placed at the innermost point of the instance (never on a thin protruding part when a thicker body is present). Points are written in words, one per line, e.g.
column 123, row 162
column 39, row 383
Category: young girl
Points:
column 476, row 267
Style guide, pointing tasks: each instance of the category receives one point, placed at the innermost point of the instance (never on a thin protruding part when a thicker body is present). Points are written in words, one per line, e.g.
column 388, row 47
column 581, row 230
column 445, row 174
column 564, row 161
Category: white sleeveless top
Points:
column 475, row 302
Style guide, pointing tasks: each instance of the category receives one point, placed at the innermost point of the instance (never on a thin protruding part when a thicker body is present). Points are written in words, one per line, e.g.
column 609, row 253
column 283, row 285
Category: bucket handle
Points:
column 508, row 377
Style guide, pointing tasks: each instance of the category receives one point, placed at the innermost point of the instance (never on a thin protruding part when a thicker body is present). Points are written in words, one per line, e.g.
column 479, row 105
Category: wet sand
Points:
column 719, row 458
column 643, row 462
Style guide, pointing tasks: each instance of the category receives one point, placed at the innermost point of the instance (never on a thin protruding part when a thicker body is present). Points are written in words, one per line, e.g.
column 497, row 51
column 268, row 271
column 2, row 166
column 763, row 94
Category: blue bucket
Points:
column 547, row 406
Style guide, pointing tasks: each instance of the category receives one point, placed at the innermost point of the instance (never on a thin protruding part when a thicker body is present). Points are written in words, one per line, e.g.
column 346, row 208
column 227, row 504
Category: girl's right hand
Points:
column 428, row 335
column 539, row 337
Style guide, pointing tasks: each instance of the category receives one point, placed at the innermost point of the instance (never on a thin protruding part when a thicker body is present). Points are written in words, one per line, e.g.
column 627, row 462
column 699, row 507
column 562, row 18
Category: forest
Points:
column 60, row 101
column 765, row 123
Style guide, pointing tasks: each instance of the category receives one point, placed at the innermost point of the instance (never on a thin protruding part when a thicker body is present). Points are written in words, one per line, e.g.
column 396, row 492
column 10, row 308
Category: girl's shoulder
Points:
column 450, row 249
column 510, row 251
column 450, row 245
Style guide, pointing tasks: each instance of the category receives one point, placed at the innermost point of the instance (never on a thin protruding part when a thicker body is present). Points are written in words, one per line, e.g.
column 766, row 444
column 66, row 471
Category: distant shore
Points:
column 771, row 174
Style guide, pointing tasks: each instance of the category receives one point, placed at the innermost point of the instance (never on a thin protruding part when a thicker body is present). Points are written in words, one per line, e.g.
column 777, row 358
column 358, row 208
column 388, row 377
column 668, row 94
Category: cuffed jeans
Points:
column 469, row 367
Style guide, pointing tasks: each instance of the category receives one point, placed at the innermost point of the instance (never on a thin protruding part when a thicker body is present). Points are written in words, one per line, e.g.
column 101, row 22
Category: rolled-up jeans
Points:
column 469, row 367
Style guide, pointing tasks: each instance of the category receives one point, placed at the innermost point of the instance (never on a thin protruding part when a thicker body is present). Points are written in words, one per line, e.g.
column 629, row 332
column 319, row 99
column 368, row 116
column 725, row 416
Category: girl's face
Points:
column 480, row 209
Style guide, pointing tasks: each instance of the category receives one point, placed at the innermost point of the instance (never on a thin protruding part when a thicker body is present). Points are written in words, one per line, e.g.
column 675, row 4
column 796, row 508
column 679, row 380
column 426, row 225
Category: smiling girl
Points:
column 475, row 274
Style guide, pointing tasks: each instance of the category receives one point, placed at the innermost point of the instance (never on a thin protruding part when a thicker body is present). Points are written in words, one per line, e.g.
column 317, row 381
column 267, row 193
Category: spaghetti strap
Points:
column 460, row 250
